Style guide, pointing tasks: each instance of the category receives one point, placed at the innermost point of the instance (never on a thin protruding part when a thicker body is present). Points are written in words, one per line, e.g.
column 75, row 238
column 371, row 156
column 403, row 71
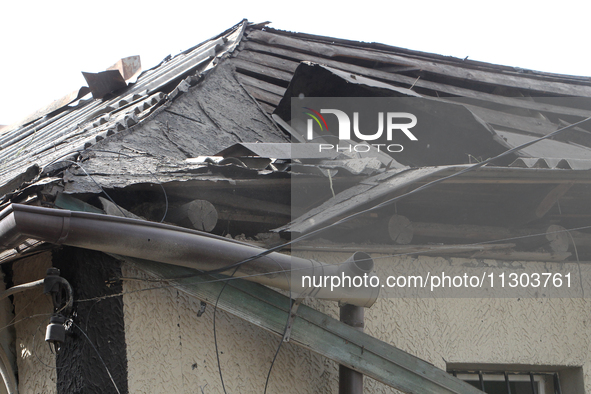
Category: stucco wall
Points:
column 170, row 349
column 36, row 364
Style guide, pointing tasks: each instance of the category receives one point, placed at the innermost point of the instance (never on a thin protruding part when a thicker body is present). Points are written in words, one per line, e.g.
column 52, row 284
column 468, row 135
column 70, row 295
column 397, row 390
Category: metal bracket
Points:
column 292, row 315
column 201, row 310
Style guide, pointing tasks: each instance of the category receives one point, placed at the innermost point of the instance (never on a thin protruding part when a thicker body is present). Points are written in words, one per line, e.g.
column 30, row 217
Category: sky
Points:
column 45, row 45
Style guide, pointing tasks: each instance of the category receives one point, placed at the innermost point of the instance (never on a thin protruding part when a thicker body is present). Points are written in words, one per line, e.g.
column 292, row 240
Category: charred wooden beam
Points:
column 245, row 203
column 197, row 214
column 402, row 231
column 581, row 240
column 235, row 215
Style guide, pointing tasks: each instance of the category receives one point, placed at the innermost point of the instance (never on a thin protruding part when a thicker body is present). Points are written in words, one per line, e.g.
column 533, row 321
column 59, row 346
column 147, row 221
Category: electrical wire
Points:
column 317, row 231
column 280, row 342
column 381, row 205
column 95, row 182
column 150, row 172
column 98, row 354
column 227, row 280
column 416, row 252
column 24, row 319
column 66, row 307
column 18, row 288
column 215, row 337
column 158, row 182
column 389, row 201
column 283, row 271
column 37, row 330
column 13, row 321
column 35, row 353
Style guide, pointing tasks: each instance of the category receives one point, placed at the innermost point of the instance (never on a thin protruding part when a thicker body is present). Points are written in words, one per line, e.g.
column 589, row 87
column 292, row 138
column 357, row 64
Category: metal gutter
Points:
column 182, row 247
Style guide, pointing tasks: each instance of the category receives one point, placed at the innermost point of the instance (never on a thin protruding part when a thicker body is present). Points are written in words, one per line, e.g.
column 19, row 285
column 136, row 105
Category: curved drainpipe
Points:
column 183, row 247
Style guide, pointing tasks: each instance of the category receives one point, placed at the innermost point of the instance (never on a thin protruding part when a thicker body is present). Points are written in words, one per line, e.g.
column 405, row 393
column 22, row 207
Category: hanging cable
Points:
column 215, row 333
column 19, row 288
column 383, row 204
column 150, row 172
column 95, row 182
column 395, row 199
column 158, row 182
column 310, row 234
column 99, row 356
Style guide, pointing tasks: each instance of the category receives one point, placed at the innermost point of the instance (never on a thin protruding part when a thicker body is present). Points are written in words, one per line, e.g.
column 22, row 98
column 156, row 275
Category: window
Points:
column 510, row 382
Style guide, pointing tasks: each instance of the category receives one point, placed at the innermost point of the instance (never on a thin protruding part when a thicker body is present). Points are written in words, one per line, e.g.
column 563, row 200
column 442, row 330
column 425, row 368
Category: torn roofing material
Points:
column 104, row 82
column 356, row 197
column 278, row 151
column 448, row 132
column 506, row 98
column 566, row 164
column 213, row 85
column 547, row 149
column 446, row 75
column 70, row 129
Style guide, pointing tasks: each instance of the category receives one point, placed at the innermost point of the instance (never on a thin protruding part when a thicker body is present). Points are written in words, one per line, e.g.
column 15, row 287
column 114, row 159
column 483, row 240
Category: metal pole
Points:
column 351, row 381
column 507, row 382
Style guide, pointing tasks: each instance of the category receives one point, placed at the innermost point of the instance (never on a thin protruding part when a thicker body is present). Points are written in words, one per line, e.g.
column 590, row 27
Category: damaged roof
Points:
column 213, row 122
column 507, row 104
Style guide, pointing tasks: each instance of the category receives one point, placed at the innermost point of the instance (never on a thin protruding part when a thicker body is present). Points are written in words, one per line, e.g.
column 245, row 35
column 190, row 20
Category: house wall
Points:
column 170, row 349
column 35, row 362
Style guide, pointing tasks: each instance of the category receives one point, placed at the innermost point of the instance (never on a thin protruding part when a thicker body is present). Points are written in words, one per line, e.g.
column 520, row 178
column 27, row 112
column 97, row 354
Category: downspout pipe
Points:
column 183, row 247
column 351, row 381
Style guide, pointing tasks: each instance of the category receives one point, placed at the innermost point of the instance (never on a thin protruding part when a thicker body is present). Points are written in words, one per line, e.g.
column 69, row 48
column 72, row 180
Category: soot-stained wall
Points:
column 82, row 366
